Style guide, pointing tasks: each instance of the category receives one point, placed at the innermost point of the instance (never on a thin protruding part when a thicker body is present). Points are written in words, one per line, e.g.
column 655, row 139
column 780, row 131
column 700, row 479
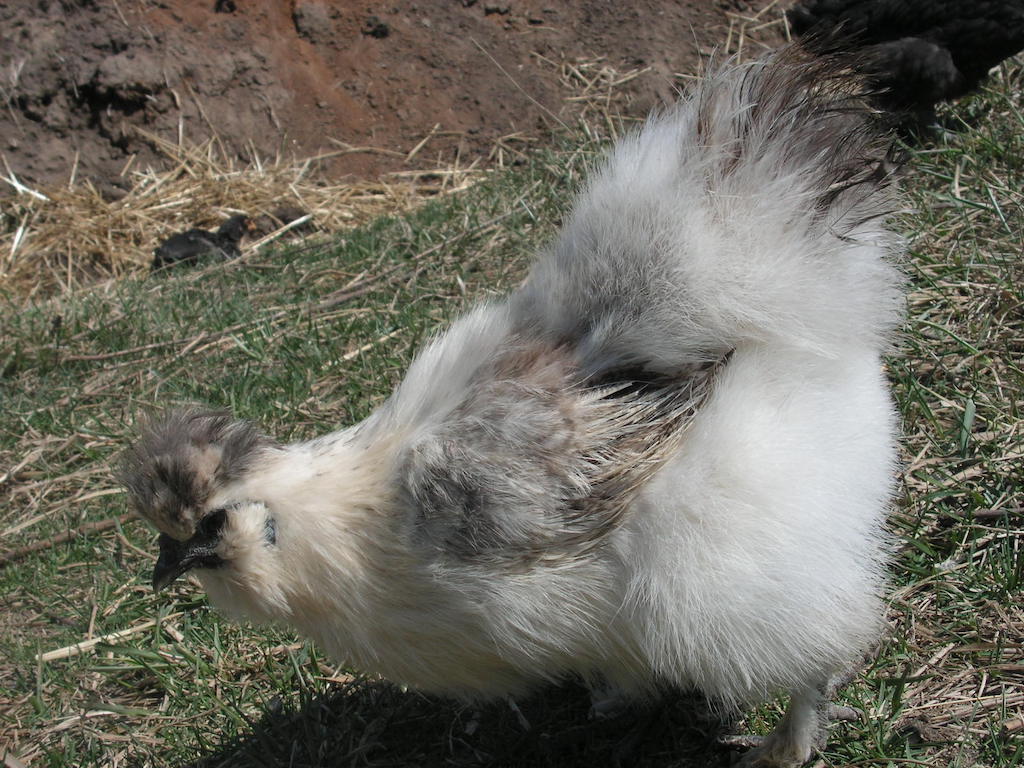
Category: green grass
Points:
column 274, row 340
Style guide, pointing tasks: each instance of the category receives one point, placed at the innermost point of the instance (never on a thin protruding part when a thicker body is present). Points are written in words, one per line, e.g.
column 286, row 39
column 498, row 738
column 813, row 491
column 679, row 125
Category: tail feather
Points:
column 754, row 211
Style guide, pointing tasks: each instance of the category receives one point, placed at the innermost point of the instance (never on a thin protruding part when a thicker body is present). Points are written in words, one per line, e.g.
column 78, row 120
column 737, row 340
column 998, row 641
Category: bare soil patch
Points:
column 84, row 85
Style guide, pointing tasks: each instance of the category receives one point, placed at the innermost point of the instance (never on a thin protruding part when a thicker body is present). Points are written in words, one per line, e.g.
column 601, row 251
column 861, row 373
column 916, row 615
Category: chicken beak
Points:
column 177, row 557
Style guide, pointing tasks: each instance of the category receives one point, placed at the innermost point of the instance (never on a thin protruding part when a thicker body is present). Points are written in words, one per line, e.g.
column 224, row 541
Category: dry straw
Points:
column 60, row 239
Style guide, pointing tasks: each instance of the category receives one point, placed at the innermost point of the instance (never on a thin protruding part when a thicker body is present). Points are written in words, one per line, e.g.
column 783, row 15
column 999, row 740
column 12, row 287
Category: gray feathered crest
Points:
column 179, row 459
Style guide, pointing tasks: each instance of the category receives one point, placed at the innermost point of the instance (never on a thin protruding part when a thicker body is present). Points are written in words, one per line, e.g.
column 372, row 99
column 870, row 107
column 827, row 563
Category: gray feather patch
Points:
column 536, row 466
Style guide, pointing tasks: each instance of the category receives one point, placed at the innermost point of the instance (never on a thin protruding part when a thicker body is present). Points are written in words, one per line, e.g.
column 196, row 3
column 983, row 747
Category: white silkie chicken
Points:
column 664, row 460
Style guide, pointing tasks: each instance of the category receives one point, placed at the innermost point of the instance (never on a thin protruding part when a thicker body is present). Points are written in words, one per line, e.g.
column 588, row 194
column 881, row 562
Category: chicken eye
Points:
column 209, row 526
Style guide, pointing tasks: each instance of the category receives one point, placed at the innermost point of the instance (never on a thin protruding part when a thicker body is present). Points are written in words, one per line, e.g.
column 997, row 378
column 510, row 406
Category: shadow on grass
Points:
column 375, row 724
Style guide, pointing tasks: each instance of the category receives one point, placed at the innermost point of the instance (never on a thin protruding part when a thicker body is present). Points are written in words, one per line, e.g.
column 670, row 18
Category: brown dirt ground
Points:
column 83, row 81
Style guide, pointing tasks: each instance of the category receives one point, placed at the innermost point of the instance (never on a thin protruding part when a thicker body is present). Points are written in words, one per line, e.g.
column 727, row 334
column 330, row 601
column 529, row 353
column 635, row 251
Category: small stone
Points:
column 374, row 27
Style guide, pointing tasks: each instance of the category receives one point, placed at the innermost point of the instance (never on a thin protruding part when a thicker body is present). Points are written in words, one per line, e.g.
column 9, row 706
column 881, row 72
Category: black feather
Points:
column 916, row 52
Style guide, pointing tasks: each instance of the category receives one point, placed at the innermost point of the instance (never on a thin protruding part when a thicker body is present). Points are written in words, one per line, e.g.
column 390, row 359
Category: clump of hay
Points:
column 59, row 239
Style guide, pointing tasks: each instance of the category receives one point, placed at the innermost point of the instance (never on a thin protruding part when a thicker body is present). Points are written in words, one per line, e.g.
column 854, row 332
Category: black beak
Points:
column 176, row 557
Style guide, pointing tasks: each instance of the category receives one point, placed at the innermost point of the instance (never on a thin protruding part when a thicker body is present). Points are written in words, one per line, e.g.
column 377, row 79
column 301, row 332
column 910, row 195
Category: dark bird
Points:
column 918, row 52
column 664, row 460
column 198, row 244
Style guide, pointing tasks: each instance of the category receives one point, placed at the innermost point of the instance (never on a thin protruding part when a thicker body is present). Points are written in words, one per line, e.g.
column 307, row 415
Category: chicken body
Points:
column 919, row 52
column 664, row 460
